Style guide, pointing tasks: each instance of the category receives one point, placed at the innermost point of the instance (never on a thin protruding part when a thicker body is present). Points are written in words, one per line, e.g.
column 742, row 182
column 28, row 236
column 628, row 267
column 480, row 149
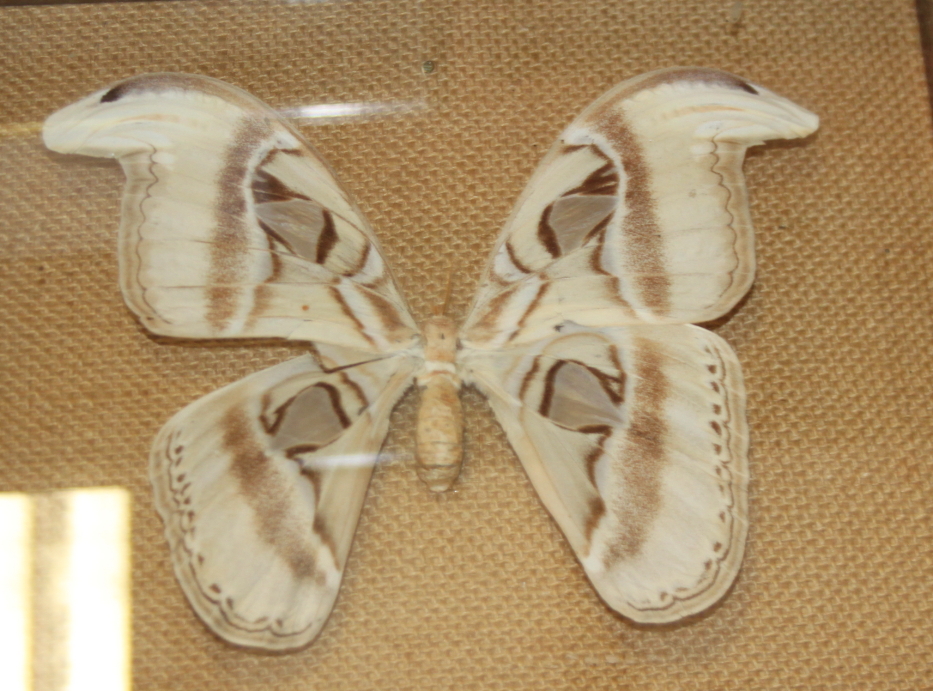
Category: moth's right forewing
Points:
column 638, row 213
column 260, row 485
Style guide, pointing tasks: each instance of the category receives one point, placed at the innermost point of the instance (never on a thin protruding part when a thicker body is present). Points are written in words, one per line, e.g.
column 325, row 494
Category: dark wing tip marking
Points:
column 158, row 82
column 114, row 94
column 698, row 75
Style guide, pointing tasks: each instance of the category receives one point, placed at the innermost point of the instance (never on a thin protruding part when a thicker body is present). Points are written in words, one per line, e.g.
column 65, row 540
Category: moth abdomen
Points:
column 439, row 434
column 440, row 431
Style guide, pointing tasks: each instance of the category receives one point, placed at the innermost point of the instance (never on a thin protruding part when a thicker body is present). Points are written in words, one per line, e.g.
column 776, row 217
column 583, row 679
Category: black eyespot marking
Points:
column 114, row 94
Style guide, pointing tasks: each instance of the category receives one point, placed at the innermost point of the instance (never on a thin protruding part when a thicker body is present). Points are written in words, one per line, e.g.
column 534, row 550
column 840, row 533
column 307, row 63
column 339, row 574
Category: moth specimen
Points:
column 628, row 418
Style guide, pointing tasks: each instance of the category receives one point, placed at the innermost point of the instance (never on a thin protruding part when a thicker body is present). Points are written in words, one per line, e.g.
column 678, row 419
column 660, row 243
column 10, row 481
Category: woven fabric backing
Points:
column 477, row 589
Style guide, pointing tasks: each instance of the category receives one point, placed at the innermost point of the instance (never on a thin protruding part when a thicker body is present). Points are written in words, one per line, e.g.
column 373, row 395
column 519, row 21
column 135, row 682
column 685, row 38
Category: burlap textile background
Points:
column 477, row 589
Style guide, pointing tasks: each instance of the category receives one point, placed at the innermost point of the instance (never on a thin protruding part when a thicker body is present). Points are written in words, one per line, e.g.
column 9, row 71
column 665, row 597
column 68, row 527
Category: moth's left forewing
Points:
column 232, row 225
column 635, row 439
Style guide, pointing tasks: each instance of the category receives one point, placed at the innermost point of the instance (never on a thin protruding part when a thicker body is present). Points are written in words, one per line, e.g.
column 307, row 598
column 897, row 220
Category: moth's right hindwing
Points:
column 635, row 439
column 260, row 485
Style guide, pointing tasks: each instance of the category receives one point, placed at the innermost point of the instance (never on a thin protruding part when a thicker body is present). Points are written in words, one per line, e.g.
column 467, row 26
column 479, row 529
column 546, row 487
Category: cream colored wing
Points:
column 260, row 485
column 639, row 212
column 635, row 439
column 232, row 225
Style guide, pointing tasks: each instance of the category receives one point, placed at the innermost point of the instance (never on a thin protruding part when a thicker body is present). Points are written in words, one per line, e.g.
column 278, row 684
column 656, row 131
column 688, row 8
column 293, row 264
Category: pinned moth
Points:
column 628, row 419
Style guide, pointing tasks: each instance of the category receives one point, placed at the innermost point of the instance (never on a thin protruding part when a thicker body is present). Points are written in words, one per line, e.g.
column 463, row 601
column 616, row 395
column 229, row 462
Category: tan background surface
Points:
column 477, row 589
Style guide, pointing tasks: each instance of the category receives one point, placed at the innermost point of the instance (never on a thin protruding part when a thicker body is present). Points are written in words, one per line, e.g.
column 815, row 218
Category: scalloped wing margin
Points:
column 635, row 438
column 260, row 485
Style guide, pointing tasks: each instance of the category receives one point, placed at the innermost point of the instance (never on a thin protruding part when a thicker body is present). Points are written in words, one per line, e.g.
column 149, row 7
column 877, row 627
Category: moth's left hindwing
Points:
column 260, row 485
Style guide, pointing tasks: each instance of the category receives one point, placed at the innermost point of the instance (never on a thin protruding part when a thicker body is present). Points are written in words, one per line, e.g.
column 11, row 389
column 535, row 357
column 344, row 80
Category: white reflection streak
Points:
column 16, row 534
column 350, row 460
column 323, row 112
column 96, row 586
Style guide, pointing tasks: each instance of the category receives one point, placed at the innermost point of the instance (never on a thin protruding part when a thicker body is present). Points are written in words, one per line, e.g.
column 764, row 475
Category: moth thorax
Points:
column 440, row 339
column 440, row 419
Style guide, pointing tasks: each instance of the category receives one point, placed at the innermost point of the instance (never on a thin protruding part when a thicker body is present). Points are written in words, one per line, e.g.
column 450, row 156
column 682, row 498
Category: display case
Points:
column 435, row 114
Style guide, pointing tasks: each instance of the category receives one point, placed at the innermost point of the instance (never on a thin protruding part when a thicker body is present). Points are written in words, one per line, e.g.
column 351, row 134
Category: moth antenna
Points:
column 441, row 310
